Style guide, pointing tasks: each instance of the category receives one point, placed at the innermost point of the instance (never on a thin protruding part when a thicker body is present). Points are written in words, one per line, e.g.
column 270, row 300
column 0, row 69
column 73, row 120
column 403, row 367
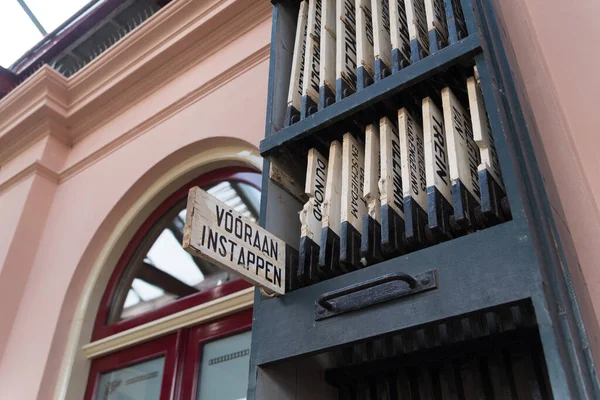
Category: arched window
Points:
column 154, row 279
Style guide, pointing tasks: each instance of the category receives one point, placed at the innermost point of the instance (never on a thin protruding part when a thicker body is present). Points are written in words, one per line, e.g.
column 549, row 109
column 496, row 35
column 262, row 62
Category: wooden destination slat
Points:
column 328, row 50
column 346, row 49
column 391, row 188
column 353, row 205
column 294, row 101
column 370, row 250
column 382, row 45
column 399, row 35
column 463, row 159
column 310, row 84
column 494, row 204
column 364, row 36
column 437, row 26
column 417, row 29
column 412, row 153
column 439, row 194
column 311, row 218
column 329, row 251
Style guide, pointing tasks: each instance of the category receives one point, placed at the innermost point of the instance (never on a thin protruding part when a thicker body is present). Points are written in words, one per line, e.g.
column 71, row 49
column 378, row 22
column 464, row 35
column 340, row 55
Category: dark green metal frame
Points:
column 517, row 260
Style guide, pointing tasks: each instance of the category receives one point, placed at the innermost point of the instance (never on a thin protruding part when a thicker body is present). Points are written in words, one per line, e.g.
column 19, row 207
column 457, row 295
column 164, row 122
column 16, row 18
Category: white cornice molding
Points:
column 200, row 314
column 176, row 38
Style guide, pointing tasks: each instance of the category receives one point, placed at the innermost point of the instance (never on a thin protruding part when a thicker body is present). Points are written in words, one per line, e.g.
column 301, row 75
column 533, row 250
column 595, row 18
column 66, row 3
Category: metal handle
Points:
column 324, row 299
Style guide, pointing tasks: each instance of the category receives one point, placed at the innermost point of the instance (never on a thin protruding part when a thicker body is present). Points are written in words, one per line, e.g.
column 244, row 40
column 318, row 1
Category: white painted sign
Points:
column 364, row 36
column 463, row 153
column 333, row 189
column 353, row 175
column 412, row 153
column 417, row 23
column 221, row 235
column 313, row 53
column 436, row 18
column 390, row 183
column 372, row 172
column 328, row 25
column 297, row 75
column 311, row 216
column 382, row 45
column 346, row 53
column 400, row 38
column 436, row 153
column 482, row 132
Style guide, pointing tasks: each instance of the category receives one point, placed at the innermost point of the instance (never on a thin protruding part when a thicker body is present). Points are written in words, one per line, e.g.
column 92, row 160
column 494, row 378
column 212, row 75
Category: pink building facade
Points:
column 84, row 160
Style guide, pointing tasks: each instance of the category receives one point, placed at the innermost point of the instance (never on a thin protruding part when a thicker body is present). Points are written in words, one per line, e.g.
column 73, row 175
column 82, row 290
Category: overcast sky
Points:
column 18, row 34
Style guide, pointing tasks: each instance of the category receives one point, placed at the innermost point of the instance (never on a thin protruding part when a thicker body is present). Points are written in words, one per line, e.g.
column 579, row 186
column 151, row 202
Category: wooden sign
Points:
column 311, row 217
column 399, row 36
column 463, row 154
column 456, row 17
column 417, row 29
column 329, row 252
column 412, row 153
column 327, row 71
column 436, row 24
column 346, row 52
column 391, row 171
column 372, row 172
column 390, row 186
column 221, row 235
column 436, row 154
column 297, row 74
column 310, row 88
column 371, row 226
column 353, row 205
column 364, row 37
column 482, row 133
column 382, row 45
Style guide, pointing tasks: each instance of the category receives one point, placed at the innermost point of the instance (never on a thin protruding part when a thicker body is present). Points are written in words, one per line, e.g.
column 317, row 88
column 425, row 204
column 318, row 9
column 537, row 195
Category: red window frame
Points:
column 101, row 329
column 167, row 346
column 198, row 337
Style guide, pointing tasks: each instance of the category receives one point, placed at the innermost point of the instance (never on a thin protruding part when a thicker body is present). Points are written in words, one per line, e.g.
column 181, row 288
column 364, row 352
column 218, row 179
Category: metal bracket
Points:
column 371, row 292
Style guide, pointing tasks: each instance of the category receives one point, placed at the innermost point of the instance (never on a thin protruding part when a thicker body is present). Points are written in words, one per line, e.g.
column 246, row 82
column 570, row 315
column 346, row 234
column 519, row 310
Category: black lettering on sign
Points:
column 320, row 177
column 441, row 161
column 413, row 158
column 397, row 168
column 417, row 18
column 391, row 182
column 348, row 53
column 215, row 232
column 400, row 35
column 369, row 31
column 316, row 36
column 355, row 181
column 436, row 149
column 386, row 15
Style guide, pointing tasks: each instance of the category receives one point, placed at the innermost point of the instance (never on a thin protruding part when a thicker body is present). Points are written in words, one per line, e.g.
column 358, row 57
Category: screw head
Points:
column 425, row 280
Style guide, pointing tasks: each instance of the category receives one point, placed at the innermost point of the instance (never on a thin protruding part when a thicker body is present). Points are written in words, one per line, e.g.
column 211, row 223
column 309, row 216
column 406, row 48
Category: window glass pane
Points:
column 139, row 381
column 225, row 368
column 160, row 271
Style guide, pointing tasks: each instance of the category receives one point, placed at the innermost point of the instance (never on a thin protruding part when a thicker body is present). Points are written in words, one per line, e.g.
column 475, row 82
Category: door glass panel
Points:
column 225, row 368
column 134, row 382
